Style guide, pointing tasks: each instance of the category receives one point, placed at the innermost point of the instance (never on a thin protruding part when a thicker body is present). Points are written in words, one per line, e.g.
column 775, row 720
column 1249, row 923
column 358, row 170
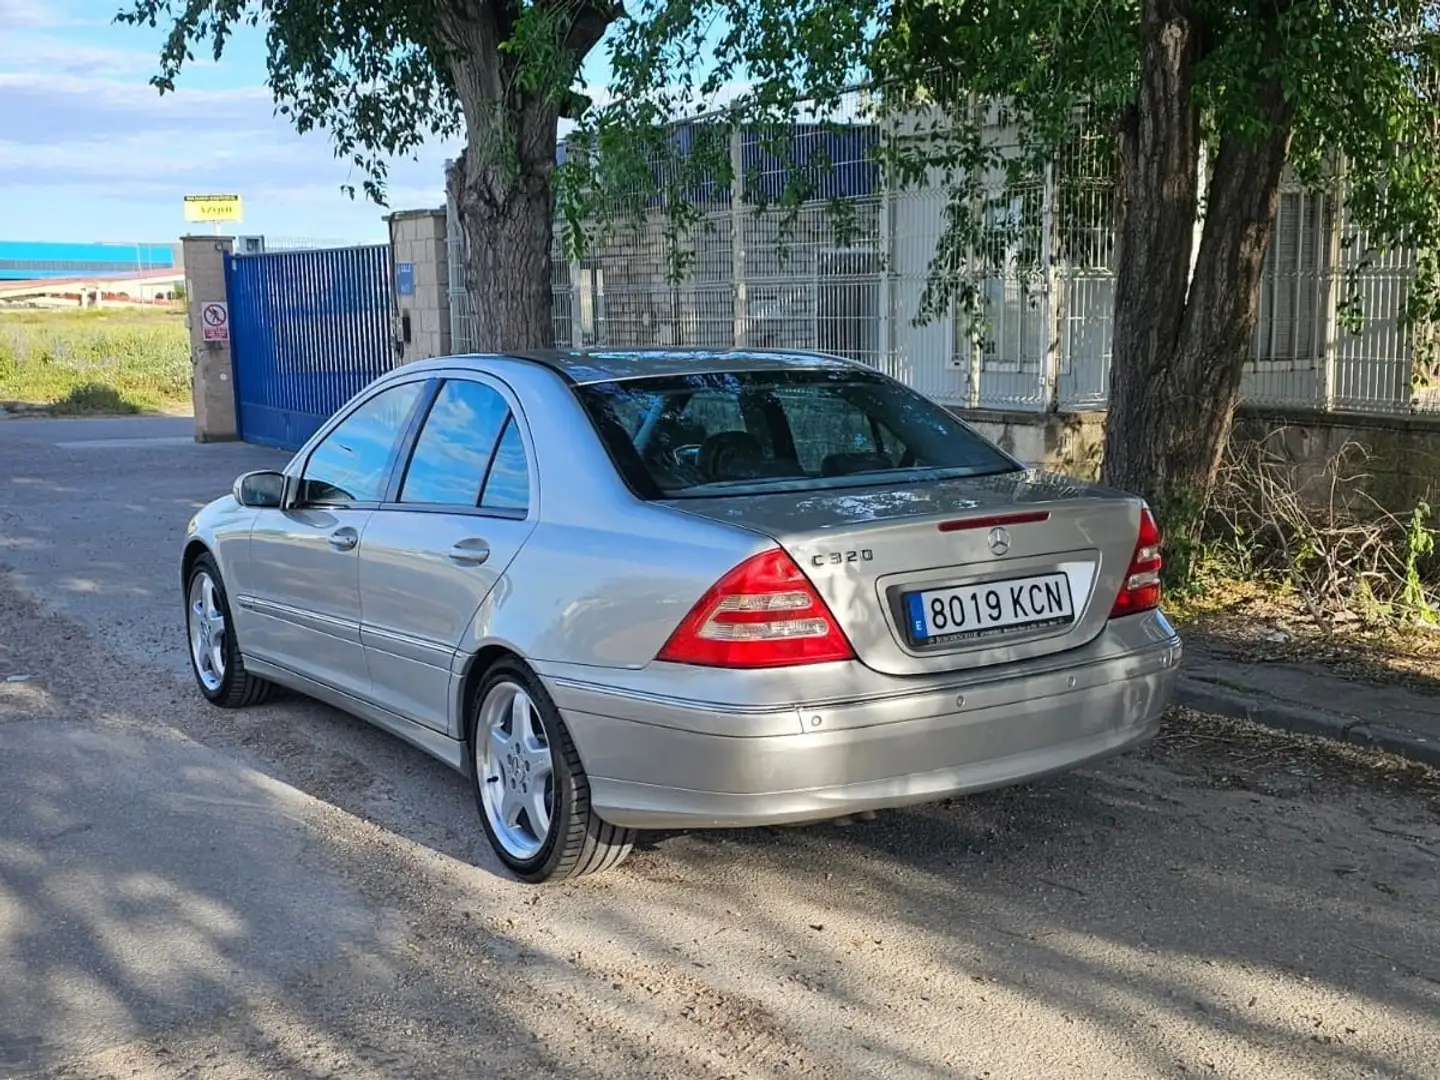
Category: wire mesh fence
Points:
column 852, row 268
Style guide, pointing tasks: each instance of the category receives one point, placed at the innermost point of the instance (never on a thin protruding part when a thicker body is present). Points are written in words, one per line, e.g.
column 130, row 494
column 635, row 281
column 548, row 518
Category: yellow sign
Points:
column 212, row 208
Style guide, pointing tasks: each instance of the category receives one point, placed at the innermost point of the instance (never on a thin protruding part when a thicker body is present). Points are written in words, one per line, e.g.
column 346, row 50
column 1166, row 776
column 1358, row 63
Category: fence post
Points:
column 1049, row 265
column 1330, row 317
column 420, row 273
column 740, row 314
column 212, row 363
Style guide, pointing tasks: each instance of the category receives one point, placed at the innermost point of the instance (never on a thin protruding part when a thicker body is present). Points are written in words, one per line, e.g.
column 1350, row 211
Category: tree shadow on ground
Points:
column 1132, row 919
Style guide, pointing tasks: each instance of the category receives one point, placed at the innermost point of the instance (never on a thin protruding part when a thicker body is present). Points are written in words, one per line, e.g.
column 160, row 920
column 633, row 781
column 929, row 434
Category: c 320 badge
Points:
column 840, row 558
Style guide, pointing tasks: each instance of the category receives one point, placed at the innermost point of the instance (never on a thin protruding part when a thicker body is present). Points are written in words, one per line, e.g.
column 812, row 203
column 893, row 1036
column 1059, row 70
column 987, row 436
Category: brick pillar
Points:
column 213, row 388
column 420, row 269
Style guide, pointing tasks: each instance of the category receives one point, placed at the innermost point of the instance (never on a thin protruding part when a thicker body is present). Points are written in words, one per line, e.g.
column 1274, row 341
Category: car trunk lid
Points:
column 954, row 574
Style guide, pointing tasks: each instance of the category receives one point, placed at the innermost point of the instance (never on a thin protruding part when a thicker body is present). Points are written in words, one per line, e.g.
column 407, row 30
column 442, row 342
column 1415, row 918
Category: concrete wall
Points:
column 1403, row 452
column 1070, row 443
column 422, row 316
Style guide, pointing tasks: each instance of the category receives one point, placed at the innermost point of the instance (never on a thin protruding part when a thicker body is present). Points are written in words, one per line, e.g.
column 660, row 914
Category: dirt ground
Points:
column 1264, row 623
column 286, row 892
column 1226, row 903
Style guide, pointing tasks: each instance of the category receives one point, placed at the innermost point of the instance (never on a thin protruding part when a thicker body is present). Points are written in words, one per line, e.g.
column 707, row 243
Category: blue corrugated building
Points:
column 22, row 260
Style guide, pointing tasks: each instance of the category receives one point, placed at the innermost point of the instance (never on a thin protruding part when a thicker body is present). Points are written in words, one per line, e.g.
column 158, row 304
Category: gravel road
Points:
column 285, row 892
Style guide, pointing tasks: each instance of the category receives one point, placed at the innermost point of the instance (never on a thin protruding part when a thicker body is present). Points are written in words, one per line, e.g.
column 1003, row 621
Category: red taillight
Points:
column 1140, row 590
column 763, row 613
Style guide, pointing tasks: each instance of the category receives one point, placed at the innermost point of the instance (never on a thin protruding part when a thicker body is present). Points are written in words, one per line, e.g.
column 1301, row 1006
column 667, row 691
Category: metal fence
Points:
column 846, row 271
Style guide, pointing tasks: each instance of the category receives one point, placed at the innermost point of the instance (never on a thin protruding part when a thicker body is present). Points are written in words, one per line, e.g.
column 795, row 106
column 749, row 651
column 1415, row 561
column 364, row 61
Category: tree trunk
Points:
column 501, row 183
column 507, row 223
column 1181, row 342
column 1224, row 305
column 1159, row 145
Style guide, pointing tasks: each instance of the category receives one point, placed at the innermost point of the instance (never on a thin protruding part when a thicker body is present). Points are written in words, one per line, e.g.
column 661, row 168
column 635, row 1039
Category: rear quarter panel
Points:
column 607, row 595
column 605, row 577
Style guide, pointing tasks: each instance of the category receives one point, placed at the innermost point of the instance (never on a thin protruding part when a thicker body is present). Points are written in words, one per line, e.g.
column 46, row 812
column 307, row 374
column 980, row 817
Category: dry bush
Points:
column 1321, row 532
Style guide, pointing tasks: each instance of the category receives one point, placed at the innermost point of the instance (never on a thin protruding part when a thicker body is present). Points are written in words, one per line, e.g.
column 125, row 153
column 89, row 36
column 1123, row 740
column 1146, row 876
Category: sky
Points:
column 89, row 151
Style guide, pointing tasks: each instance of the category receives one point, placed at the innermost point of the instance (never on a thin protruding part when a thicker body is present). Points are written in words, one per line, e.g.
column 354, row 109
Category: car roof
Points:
column 582, row 366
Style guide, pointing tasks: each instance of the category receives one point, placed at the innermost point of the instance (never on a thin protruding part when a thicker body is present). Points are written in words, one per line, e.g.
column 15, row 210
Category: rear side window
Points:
column 785, row 430
column 508, row 485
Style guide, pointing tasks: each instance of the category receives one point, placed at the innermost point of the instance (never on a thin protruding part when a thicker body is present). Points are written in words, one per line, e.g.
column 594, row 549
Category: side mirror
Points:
column 263, row 489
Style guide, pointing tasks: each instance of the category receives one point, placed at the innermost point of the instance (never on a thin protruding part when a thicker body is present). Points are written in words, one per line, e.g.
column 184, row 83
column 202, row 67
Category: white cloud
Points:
column 49, row 54
column 79, row 129
column 114, row 158
column 30, row 14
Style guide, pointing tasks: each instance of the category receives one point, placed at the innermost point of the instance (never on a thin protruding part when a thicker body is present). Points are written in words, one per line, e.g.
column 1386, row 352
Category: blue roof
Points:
column 21, row 260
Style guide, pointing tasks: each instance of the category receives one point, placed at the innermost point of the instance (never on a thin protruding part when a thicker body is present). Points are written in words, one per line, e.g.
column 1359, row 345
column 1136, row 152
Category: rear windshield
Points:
column 766, row 431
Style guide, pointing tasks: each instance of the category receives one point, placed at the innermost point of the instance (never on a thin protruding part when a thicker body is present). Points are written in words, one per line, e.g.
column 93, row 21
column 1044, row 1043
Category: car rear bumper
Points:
column 661, row 764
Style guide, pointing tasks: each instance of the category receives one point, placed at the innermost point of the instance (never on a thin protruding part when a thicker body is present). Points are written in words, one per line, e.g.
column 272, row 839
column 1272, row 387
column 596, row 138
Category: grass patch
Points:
column 92, row 362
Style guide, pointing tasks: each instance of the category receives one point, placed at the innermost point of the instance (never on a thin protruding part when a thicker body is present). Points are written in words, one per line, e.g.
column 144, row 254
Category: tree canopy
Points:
column 1343, row 93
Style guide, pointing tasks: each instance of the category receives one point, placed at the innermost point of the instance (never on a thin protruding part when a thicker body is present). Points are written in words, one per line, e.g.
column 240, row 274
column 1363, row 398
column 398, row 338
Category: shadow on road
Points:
column 290, row 889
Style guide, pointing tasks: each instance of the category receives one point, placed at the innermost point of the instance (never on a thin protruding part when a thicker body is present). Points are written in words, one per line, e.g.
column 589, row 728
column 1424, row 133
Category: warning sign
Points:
column 215, row 320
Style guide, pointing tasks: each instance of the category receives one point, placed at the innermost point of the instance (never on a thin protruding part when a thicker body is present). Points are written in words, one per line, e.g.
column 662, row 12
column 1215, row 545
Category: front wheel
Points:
column 530, row 788
column 214, row 654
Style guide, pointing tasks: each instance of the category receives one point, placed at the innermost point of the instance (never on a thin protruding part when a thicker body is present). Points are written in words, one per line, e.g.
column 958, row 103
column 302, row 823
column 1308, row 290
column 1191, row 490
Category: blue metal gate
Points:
column 308, row 329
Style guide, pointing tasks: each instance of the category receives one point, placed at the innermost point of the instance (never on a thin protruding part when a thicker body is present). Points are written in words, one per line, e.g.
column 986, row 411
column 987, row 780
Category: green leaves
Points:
column 987, row 100
column 379, row 75
column 981, row 97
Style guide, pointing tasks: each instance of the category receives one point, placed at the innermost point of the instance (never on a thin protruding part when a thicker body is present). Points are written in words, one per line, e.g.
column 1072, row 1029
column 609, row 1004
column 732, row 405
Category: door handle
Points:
column 471, row 552
column 343, row 539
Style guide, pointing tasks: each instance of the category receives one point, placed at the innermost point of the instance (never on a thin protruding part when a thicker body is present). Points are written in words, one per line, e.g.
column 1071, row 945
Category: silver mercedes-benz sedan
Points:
column 648, row 589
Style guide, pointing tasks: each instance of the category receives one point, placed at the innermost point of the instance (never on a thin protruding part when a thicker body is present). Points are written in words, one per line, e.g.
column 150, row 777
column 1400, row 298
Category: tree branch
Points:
column 591, row 19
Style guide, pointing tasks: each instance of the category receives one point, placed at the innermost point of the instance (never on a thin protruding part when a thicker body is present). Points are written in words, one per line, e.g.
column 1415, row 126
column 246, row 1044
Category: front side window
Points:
column 455, row 445
column 352, row 463
column 782, row 430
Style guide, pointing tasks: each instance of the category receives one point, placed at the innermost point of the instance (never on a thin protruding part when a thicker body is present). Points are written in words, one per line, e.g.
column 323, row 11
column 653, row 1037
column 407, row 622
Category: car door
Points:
column 429, row 558
column 304, row 596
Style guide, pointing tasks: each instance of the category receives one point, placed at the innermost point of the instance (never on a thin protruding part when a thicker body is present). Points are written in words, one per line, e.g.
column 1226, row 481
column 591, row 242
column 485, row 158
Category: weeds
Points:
column 1316, row 533
column 104, row 361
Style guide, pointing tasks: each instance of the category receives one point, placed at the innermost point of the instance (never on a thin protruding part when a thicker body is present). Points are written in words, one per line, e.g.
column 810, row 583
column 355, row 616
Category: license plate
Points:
column 943, row 616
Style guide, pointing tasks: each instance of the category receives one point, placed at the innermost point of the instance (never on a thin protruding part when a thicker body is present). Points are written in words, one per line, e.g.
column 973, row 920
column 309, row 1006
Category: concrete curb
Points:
column 1203, row 696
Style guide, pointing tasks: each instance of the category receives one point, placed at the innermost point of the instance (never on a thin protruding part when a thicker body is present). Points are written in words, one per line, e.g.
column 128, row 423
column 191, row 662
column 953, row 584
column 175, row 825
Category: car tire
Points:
column 576, row 842
column 215, row 658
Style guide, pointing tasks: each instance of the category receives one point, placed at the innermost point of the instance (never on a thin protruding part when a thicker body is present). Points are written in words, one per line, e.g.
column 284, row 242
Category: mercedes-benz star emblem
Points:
column 999, row 540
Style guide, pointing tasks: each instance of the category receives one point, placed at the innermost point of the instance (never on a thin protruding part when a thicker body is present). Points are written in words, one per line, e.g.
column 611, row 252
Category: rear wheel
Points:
column 530, row 788
column 214, row 654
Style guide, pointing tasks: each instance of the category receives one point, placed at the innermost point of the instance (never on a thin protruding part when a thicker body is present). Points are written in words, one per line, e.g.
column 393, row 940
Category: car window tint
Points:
column 780, row 430
column 823, row 425
column 508, row 486
column 352, row 463
column 453, row 450
column 716, row 410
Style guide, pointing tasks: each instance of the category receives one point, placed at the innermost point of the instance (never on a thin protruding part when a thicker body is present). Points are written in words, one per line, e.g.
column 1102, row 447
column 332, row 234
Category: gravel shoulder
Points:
column 1230, row 902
